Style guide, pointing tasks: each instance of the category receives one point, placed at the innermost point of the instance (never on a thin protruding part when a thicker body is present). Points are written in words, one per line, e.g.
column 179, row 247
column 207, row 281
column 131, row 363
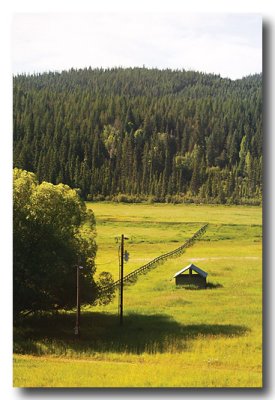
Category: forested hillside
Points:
column 134, row 134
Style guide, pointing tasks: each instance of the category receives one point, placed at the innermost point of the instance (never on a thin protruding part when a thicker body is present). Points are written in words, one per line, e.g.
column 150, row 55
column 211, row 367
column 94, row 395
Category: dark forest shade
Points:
column 137, row 133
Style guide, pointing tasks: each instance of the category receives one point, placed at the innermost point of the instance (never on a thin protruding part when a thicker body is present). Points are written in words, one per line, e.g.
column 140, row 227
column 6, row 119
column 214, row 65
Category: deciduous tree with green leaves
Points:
column 53, row 234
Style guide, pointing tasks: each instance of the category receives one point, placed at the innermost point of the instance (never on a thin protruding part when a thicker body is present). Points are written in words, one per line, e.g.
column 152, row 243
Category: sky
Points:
column 225, row 44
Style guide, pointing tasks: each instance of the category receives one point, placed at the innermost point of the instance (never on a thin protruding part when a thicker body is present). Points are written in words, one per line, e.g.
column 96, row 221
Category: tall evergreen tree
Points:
column 138, row 131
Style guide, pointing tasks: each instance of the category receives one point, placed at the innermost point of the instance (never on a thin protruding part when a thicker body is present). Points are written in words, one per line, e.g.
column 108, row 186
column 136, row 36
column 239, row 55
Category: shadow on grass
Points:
column 209, row 285
column 101, row 333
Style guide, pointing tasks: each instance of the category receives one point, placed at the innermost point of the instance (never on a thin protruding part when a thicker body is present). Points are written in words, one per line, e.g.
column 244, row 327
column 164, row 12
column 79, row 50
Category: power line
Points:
column 110, row 262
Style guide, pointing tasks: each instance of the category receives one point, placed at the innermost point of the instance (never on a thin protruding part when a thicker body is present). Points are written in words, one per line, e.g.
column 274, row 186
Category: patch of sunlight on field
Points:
column 148, row 372
column 216, row 331
column 177, row 213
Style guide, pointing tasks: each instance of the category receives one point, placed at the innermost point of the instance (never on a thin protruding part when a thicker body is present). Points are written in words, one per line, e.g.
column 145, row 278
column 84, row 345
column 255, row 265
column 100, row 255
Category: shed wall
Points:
column 194, row 279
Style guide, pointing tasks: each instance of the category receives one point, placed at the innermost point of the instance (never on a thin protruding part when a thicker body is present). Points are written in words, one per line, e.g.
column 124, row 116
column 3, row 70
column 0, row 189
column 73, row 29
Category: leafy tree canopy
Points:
column 53, row 233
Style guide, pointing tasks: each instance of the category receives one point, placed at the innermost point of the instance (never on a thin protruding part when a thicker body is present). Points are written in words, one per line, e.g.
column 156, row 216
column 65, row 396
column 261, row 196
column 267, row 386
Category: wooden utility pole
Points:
column 121, row 280
column 77, row 322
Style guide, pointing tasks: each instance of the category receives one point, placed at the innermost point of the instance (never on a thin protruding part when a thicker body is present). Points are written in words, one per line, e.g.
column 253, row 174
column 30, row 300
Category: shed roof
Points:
column 194, row 268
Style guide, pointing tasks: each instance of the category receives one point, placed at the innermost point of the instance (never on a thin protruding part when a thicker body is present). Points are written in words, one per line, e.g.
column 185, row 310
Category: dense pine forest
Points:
column 142, row 134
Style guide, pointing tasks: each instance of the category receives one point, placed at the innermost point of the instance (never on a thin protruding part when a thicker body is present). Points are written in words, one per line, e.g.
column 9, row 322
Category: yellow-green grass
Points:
column 159, row 228
column 171, row 337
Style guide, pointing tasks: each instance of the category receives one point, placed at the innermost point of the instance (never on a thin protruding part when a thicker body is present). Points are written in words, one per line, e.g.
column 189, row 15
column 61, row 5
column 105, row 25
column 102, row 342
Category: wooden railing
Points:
column 153, row 263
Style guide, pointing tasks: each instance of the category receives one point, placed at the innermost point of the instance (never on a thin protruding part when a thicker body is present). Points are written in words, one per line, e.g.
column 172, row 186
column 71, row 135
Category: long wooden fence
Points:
column 153, row 263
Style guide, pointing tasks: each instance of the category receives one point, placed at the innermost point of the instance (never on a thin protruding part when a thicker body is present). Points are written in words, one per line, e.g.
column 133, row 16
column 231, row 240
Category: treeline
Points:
column 137, row 134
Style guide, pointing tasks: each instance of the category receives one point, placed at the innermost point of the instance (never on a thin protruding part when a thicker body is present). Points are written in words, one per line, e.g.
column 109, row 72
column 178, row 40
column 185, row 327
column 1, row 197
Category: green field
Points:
column 171, row 337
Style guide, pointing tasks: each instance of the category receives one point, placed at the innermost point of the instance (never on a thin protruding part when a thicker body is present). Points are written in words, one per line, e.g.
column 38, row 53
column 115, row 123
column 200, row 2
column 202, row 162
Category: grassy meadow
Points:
column 172, row 336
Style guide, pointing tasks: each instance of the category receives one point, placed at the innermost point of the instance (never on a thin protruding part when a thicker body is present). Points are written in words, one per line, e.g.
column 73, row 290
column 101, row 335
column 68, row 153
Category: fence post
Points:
column 177, row 251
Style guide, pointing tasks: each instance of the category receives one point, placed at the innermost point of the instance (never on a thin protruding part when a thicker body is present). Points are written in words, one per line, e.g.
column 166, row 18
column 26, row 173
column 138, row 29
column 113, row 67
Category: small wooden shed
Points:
column 191, row 275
